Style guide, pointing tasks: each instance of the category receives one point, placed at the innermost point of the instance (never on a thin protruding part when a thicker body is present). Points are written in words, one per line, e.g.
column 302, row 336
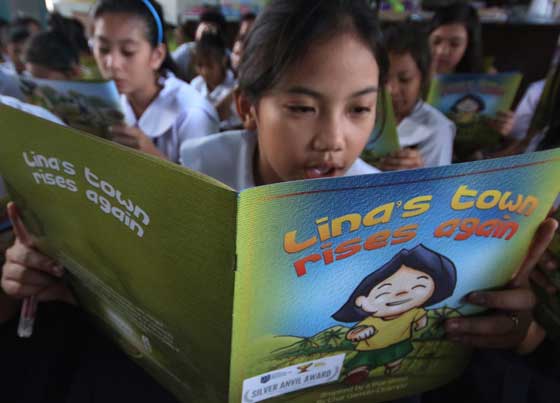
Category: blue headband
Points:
column 157, row 20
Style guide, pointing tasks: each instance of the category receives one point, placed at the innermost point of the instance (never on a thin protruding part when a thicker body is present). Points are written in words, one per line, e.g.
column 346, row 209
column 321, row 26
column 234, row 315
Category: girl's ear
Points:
column 246, row 111
column 158, row 56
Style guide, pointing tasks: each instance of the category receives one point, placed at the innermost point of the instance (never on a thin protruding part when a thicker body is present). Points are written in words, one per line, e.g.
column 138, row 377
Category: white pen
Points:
column 27, row 317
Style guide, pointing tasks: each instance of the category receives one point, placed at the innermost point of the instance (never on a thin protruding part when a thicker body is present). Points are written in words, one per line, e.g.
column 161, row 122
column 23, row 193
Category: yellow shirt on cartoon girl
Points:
column 389, row 332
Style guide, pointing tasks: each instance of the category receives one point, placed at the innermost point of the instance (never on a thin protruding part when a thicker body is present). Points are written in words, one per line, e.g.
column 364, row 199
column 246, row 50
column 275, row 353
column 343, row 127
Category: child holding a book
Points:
column 456, row 46
column 420, row 126
column 161, row 111
column 310, row 116
column 215, row 81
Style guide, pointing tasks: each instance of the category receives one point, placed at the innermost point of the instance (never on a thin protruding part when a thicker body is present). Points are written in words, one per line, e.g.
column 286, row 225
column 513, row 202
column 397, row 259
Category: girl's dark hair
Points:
column 409, row 39
column 72, row 29
column 137, row 8
column 52, row 50
column 18, row 33
column 440, row 268
column 210, row 46
column 465, row 14
column 285, row 30
column 473, row 97
column 214, row 16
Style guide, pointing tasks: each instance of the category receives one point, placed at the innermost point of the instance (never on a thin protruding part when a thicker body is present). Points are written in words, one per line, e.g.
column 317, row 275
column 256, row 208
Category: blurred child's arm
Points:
column 507, row 323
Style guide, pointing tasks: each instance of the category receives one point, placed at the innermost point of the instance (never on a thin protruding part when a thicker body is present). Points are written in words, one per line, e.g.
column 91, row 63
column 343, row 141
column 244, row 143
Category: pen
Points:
column 27, row 317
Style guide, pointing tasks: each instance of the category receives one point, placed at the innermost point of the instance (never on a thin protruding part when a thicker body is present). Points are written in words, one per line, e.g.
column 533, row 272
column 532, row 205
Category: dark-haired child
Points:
column 52, row 56
column 420, row 126
column 18, row 36
column 161, row 111
column 210, row 21
column 456, row 46
column 215, row 81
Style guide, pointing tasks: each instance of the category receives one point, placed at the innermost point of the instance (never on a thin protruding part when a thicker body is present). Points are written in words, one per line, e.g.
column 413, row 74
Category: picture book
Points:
column 384, row 139
column 91, row 106
column 328, row 290
column 470, row 100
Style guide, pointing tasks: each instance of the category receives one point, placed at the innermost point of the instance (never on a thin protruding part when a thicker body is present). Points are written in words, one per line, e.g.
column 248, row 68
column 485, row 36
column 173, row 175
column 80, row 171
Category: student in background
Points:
column 246, row 23
column 18, row 37
column 52, row 56
column 420, row 126
column 210, row 21
column 236, row 54
column 215, row 81
column 161, row 111
column 456, row 46
column 310, row 115
column 523, row 117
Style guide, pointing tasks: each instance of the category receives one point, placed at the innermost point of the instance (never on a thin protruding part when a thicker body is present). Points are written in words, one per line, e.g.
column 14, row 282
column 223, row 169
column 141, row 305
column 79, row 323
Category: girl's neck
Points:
column 143, row 97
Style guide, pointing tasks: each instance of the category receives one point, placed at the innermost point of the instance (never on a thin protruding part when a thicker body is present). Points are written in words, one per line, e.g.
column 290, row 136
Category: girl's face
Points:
column 236, row 55
column 212, row 70
column 448, row 44
column 123, row 52
column 316, row 121
column 468, row 106
column 405, row 290
column 404, row 84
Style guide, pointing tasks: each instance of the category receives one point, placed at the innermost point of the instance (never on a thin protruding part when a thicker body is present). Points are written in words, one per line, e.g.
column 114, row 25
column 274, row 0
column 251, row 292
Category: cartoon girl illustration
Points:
column 467, row 109
column 389, row 304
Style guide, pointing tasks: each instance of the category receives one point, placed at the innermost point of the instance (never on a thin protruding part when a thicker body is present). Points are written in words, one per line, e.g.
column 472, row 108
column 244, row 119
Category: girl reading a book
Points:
column 389, row 305
column 308, row 94
column 420, row 126
column 456, row 46
column 161, row 111
column 215, row 81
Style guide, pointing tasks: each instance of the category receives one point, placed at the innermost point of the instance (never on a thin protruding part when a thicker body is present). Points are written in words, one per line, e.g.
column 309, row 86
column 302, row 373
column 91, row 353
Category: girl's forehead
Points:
column 120, row 26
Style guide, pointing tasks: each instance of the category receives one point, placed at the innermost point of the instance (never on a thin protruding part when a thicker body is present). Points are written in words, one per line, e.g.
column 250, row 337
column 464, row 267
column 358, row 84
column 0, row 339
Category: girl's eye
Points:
column 300, row 109
column 419, row 286
column 404, row 80
column 104, row 51
column 127, row 53
column 361, row 110
column 382, row 294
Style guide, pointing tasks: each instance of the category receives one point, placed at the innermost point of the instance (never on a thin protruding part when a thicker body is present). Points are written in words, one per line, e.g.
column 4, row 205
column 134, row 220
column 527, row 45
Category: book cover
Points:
column 469, row 100
column 384, row 140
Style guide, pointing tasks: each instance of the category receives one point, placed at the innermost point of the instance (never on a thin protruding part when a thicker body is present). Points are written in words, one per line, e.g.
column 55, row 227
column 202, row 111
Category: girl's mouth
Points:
column 320, row 171
column 396, row 303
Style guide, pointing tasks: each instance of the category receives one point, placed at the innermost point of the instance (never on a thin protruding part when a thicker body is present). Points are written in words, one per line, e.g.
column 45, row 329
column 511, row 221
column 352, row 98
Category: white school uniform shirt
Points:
column 218, row 94
column 177, row 114
column 228, row 157
column 431, row 132
column 525, row 112
column 31, row 109
column 9, row 84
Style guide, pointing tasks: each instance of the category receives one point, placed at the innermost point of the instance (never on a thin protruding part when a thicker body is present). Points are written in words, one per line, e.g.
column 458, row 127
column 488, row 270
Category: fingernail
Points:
column 452, row 325
column 58, row 270
column 477, row 298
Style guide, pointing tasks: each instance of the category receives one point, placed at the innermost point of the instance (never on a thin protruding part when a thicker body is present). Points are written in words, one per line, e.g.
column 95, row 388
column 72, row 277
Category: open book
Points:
column 91, row 106
column 279, row 292
column 469, row 100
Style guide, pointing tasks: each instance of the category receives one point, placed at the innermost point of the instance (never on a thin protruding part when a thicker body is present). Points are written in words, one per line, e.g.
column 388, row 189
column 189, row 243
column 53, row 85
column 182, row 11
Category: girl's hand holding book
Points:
column 133, row 137
column 507, row 322
column 503, row 122
column 407, row 158
column 27, row 272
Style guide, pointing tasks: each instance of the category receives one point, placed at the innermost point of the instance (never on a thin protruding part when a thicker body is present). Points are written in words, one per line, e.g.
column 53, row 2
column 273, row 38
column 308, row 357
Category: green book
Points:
column 384, row 140
column 469, row 100
column 281, row 292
